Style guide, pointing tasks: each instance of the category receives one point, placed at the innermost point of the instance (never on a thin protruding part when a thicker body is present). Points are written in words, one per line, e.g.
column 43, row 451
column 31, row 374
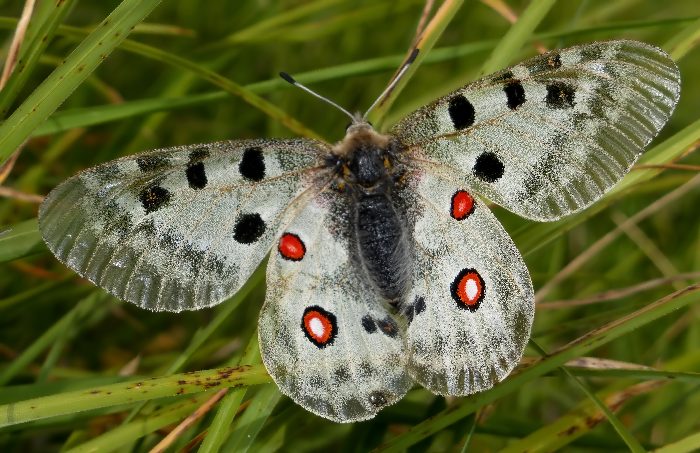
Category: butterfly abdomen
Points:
column 366, row 166
column 382, row 245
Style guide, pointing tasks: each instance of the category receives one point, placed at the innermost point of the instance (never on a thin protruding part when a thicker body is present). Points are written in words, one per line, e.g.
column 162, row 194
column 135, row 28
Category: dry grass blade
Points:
column 620, row 293
column 20, row 196
column 17, row 39
column 503, row 9
column 606, row 240
column 189, row 421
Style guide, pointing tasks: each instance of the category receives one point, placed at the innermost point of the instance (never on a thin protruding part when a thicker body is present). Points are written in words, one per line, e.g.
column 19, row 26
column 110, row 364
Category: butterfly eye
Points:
column 387, row 161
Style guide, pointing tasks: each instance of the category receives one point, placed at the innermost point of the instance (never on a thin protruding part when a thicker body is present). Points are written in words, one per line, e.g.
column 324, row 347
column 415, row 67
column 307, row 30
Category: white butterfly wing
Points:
column 551, row 135
column 179, row 228
column 325, row 337
column 471, row 307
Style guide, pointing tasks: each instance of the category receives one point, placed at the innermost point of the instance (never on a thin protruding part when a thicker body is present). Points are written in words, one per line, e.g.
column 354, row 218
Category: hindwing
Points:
column 326, row 336
column 471, row 306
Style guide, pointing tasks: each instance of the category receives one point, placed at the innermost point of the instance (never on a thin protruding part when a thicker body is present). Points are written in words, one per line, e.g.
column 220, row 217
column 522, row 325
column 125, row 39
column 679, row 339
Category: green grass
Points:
column 81, row 371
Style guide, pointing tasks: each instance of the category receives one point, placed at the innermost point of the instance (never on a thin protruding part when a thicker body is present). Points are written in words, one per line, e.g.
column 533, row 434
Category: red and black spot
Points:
column 387, row 325
column 468, row 289
column 488, row 167
column 416, row 308
column 461, row 112
column 462, row 205
column 291, row 247
column 249, row 228
column 252, row 166
column 319, row 326
column 153, row 198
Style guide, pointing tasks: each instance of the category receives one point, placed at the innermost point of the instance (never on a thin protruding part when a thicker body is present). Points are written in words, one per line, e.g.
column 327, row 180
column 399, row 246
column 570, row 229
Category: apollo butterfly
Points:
column 386, row 269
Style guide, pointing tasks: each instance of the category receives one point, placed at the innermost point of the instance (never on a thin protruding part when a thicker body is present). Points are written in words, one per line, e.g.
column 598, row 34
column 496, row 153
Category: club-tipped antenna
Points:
column 394, row 81
column 291, row 80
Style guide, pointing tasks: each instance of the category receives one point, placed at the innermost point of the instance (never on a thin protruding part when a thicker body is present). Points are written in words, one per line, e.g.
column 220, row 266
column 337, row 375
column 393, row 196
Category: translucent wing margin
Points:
column 179, row 228
column 471, row 307
column 551, row 135
column 325, row 336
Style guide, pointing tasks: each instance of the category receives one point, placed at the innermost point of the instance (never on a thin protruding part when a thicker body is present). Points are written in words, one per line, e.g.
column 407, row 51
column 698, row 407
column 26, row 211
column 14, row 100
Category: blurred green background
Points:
column 192, row 72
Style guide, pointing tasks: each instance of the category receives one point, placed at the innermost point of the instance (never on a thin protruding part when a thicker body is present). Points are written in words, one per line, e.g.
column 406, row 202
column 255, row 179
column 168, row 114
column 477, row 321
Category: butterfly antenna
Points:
column 393, row 82
column 291, row 80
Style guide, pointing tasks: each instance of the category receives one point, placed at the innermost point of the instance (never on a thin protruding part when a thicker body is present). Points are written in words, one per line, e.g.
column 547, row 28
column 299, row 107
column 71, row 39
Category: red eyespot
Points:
column 291, row 247
column 468, row 289
column 319, row 326
column 462, row 205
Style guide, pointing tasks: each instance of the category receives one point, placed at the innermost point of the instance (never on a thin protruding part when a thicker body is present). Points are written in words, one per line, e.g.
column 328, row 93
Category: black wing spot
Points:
column 153, row 198
column 515, row 93
column 542, row 63
column 560, row 95
column 461, row 112
column 199, row 154
column 388, row 327
column 488, row 167
column 505, row 77
column 554, row 60
column 414, row 309
column 419, row 305
column 151, row 163
column 252, row 164
column 368, row 324
column 196, row 176
column 249, row 228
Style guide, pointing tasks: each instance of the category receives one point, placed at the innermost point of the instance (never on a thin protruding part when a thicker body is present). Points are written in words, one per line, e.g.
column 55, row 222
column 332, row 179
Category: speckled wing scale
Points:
column 180, row 228
column 385, row 268
column 549, row 136
column 325, row 335
column 471, row 304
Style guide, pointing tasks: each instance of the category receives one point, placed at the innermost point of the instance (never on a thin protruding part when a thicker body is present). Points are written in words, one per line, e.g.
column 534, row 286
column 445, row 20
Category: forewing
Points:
column 472, row 304
column 179, row 228
column 549, row 136
column 325, row 337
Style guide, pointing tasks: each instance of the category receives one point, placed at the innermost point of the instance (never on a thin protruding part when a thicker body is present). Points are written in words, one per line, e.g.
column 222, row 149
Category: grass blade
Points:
column 46, row 98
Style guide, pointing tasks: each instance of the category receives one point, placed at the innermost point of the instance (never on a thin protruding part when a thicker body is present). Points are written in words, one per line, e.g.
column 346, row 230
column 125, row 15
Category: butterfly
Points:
column 385, row 267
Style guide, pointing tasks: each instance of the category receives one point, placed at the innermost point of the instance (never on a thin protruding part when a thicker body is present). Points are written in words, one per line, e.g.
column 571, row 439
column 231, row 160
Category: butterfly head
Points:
column 364, row 159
